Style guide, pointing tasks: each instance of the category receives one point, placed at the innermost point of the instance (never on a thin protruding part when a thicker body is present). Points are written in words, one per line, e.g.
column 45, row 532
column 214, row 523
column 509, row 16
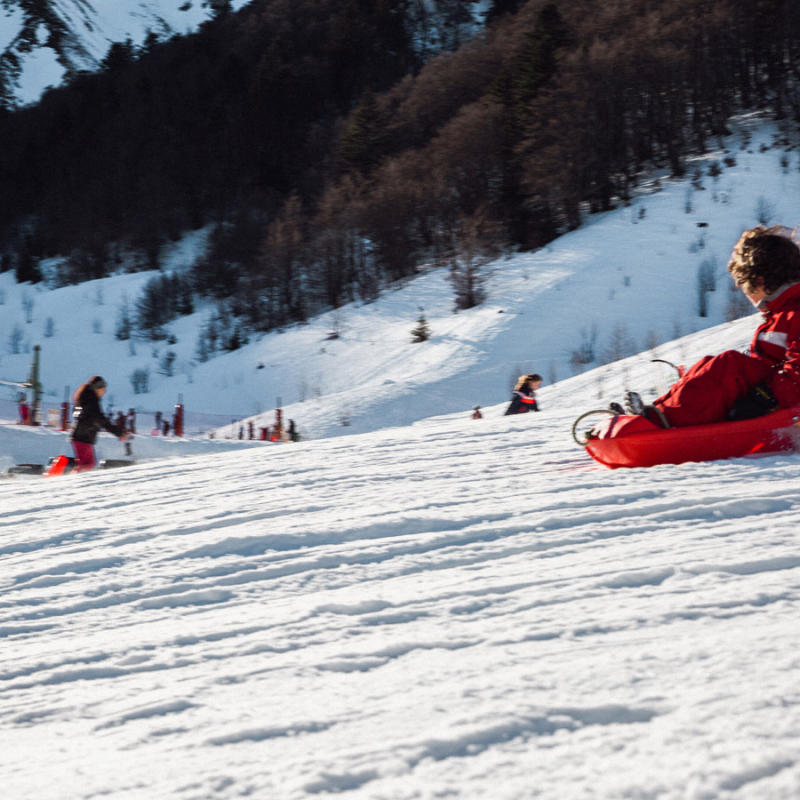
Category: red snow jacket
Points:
column 777, row 342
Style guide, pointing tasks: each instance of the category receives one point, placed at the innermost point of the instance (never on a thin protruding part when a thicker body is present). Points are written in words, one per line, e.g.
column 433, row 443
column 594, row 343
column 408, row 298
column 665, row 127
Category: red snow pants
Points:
column 84, row 457
column 710, row 387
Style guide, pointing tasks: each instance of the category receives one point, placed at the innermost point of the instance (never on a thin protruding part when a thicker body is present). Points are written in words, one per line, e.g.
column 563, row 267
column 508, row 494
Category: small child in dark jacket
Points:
column 524, row 395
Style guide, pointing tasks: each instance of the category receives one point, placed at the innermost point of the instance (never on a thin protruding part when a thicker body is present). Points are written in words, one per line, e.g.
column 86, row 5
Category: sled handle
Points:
column 679, row 370
column 585, row 441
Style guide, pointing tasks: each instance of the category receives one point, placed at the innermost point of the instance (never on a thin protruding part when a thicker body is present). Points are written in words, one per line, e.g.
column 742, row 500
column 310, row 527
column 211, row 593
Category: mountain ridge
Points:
column 44, row 42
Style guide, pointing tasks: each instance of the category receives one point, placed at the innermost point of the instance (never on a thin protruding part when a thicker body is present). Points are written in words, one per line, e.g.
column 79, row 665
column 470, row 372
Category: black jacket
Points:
column 90, row 419
column 522, row 401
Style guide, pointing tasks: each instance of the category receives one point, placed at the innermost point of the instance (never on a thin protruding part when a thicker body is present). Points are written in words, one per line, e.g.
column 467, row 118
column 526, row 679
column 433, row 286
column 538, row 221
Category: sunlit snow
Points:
column 433, row 606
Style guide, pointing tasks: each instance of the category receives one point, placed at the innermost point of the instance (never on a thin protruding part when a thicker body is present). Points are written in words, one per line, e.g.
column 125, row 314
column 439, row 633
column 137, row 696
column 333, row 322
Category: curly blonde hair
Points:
column 765, row 257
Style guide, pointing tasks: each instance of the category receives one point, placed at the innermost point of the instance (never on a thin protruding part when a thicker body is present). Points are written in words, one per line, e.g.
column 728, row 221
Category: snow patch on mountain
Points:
column 40, row 46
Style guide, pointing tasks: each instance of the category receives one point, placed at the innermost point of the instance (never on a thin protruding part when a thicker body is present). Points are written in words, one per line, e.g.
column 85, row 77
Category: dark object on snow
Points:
column 26, row 469
column 756, row 403
column 89, row 416
column 113, row 463
column 524, row 395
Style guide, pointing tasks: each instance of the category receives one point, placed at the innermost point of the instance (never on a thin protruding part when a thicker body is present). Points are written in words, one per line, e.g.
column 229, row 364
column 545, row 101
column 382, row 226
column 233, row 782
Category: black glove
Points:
column 756, row 403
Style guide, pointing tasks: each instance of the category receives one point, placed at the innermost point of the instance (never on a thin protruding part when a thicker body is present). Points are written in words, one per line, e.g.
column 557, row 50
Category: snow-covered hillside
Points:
column 432, row 606
column 462, row 609
column 27, row 40
column 623, row 282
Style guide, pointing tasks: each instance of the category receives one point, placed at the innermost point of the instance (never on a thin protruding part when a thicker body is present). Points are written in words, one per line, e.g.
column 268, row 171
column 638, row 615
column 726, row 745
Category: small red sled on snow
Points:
column 633, row 441
column 63, row 465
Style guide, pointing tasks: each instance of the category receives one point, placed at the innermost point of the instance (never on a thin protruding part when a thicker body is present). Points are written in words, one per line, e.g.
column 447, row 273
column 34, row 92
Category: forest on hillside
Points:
column 330, row 157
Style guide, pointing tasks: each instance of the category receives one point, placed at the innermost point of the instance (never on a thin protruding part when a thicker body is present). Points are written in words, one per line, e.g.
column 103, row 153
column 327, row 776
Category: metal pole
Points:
column 36, row 386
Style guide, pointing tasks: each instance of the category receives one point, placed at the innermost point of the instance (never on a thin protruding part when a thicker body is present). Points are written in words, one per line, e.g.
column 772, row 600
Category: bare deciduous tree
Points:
column 706, row 282
column 765, row 210
column 476, row 245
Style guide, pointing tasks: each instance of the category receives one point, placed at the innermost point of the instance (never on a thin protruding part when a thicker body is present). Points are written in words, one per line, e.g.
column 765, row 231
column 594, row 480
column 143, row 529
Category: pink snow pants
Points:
column 84, row 457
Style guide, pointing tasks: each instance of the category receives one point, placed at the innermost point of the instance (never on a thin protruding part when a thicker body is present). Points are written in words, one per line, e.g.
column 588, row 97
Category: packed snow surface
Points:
column 416, row 605
column 460, row 608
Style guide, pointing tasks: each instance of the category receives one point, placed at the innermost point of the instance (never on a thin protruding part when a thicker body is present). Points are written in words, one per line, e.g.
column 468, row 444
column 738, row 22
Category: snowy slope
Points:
column 92, row 27
column 461, row 609
column 630, row 274
column 430, row 607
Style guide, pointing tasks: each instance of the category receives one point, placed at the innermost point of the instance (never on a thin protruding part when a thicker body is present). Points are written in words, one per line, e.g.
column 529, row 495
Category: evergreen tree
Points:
column 167, row 365
column 218, row 7
column 499, row 8
column 158, row 304
column 363, row 144
column 28, row 268
column 140, row 381
column 203, row 350
column 422, row 332
column 538, row 63
column 468, row 284
column 119, row 55
column 124, row 322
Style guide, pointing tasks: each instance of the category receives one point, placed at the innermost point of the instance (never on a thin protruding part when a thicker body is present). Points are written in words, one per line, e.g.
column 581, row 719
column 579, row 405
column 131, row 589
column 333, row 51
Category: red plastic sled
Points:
column 60, row 465
column 626, row 441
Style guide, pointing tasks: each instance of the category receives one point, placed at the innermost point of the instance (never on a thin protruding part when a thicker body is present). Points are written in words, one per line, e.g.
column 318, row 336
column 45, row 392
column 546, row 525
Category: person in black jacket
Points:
column 524, row 395
column 89, row 421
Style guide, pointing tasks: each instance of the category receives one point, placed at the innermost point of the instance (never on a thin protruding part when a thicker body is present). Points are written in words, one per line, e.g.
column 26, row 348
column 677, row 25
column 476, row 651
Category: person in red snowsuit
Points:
column 765, row 263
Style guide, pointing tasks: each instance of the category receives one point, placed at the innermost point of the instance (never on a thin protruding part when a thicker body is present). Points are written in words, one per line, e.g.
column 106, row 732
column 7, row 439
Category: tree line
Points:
column 332, row 158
